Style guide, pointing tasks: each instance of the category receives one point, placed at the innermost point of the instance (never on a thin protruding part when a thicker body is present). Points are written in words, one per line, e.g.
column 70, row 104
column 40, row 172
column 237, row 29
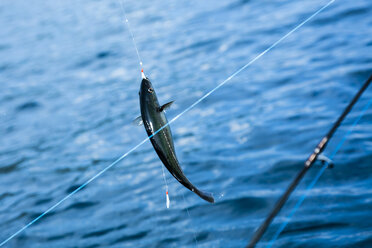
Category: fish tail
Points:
column 204, row 195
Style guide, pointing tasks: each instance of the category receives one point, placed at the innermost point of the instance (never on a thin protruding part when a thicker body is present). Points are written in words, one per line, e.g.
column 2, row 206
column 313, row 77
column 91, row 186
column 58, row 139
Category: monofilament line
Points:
column 171, row 121
column 131, row 33
column 188, row 214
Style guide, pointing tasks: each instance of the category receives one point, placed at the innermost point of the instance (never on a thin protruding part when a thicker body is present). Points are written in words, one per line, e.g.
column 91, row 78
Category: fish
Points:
column 153, row 118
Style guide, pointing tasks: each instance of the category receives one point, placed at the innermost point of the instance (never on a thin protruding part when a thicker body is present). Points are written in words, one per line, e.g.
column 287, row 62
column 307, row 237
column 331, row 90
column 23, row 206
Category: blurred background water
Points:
column 69, row 81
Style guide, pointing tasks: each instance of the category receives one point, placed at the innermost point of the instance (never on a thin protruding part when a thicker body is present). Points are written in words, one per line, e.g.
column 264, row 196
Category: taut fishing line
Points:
column 171, row 121
column 130, row 31
column 317, row 176
column 188, row 213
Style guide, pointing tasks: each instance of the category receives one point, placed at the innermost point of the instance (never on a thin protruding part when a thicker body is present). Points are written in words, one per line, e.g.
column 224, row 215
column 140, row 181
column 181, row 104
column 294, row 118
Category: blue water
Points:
column 69, row 80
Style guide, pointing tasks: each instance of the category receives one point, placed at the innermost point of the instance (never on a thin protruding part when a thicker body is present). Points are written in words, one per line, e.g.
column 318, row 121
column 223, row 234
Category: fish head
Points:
column 147, row 90
column 147, row 93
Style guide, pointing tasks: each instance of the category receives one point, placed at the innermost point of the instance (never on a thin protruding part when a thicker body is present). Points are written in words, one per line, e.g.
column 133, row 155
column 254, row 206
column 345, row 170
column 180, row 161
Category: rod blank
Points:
column 309, row 162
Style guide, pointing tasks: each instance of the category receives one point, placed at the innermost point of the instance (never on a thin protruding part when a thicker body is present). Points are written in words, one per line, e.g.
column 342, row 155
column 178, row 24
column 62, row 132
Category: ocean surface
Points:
column 69, row 81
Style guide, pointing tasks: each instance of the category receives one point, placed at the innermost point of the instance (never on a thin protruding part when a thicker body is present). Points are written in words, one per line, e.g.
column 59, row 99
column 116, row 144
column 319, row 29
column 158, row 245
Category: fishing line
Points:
column 313, row 182
column 171, row 121
column 131, row 33
column 188, row 214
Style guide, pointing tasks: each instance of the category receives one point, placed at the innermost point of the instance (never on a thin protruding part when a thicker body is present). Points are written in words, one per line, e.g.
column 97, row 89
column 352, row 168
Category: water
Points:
column 69, row 80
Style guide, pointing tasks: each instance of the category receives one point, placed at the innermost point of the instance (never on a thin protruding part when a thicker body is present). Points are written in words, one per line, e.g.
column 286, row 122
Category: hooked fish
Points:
column 154, row 118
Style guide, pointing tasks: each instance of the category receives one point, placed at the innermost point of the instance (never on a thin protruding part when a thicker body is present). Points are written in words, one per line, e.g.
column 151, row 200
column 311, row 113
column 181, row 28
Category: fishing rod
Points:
column 309, row 162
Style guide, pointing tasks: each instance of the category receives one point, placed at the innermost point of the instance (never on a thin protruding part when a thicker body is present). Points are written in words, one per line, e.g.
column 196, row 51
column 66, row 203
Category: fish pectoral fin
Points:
column 165, row 106
column 138, row 121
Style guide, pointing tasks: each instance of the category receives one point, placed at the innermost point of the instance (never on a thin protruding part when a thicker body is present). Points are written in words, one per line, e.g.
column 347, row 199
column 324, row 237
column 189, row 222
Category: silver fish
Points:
column 153, row 118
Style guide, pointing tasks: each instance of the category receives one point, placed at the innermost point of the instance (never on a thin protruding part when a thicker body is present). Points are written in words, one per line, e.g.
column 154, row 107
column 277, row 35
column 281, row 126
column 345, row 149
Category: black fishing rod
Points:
column 309, row 162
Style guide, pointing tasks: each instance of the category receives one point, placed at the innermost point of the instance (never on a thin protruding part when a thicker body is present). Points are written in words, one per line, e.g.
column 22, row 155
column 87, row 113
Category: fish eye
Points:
column 150, row 90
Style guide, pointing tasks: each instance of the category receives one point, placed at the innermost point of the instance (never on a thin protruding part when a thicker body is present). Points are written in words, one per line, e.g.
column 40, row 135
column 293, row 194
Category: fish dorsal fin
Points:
column 138, row 121
column 165, row 106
